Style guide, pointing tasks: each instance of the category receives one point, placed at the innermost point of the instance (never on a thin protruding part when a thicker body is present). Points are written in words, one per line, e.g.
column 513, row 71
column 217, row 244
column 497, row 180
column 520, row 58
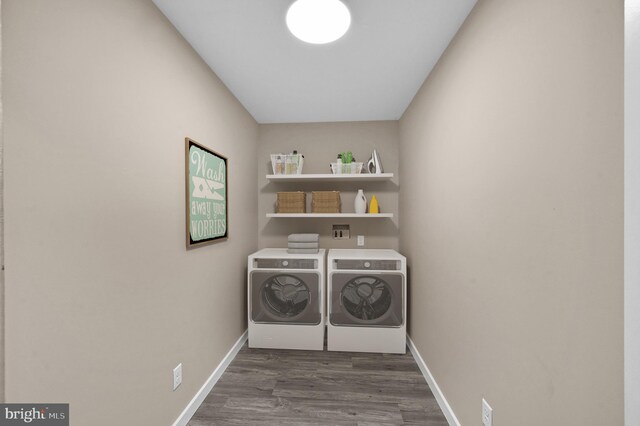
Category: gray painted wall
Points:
column 102, row 298
column 512, row 214
column 320, row 143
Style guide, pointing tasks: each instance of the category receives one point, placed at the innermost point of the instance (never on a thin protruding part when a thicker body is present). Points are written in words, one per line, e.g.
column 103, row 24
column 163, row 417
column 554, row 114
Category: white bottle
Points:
column 339, row 165
column 360, row 204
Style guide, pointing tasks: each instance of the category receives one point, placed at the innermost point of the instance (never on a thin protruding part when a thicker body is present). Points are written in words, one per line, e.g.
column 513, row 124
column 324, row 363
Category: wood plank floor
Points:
column 286, row 387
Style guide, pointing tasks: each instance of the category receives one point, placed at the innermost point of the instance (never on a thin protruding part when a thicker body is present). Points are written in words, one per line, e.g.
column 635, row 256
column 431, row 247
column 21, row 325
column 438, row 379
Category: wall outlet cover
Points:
column 487, row 413
column 177, row 376
column 360, row 240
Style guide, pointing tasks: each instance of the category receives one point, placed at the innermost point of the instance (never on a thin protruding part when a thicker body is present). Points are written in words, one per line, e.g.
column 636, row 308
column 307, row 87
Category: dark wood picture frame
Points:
column 206, row 195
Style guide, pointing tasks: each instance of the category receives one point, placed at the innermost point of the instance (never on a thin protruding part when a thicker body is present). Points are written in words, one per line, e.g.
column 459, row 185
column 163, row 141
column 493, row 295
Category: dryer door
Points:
column 284, row 297
column 367, row 299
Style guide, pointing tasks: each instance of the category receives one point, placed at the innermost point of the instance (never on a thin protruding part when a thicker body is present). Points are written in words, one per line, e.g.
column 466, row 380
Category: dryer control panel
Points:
column 367, row 264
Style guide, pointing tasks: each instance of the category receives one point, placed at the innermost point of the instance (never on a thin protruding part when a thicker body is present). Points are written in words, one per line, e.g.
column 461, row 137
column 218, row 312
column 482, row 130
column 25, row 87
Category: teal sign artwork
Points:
column 206, row 194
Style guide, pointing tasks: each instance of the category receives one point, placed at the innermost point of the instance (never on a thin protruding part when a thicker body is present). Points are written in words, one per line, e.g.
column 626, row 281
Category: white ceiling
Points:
column 372, row 73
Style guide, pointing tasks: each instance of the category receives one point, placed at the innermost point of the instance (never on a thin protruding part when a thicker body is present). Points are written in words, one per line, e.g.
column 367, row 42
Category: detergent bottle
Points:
column 373, row 206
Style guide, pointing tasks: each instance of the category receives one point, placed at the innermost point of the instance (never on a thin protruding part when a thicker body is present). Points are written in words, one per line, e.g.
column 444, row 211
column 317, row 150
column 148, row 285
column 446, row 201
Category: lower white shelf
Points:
column 343, row 215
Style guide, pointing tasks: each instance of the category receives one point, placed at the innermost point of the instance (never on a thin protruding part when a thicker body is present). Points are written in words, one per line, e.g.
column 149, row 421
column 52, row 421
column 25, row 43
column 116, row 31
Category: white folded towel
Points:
column 304, row 245
column 302, row 251
column 304, row 238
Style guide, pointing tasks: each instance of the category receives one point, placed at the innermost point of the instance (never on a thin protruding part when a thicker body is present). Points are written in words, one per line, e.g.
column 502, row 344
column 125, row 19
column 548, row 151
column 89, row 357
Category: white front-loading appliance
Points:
column 367, row 303
column 286, row 299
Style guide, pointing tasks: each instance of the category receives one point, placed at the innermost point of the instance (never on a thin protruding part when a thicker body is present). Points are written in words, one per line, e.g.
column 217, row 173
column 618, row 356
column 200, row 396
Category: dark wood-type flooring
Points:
column 286, row 387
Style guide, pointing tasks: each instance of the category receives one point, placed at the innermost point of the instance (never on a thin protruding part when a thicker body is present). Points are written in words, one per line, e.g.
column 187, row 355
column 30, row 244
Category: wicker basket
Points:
column 325, row 202
column 291, row 202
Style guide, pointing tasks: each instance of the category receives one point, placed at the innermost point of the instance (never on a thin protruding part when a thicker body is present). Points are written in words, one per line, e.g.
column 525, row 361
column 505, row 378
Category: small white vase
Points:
column 360, row 204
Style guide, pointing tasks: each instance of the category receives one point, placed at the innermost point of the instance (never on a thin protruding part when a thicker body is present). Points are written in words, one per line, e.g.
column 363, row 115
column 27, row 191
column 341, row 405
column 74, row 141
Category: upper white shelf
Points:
column 333, row 215
column 361, row 177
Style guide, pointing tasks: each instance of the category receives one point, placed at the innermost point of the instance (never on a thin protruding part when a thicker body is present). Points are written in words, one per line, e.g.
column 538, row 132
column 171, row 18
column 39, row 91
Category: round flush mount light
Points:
column 318, row 21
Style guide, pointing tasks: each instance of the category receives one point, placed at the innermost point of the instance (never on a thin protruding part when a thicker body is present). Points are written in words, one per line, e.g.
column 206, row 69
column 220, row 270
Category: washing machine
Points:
column 366, row 301
column 286, row 300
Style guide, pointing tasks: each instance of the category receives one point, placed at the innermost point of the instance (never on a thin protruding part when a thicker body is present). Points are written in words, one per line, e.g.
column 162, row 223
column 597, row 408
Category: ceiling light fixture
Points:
column 318, row 21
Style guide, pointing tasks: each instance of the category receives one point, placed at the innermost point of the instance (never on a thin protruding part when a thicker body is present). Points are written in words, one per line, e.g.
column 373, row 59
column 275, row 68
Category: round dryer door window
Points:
column 366, row 298
column 285, row 295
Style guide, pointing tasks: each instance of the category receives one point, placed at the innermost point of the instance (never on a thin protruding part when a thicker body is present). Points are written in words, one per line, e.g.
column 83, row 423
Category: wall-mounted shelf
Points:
column 333, row 215
column 361, row 177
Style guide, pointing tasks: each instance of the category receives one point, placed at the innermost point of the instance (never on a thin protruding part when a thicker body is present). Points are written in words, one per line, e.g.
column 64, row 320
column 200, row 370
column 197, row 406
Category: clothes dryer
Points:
column 286, row 300
column 367, row 304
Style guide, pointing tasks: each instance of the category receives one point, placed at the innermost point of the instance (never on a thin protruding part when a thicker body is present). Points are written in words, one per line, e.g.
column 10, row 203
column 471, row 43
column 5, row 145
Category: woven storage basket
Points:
column 291, row 202
column 325, row 202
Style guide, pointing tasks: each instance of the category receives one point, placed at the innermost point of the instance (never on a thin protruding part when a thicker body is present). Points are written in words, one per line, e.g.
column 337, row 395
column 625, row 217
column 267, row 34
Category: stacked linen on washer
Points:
column 303, row 243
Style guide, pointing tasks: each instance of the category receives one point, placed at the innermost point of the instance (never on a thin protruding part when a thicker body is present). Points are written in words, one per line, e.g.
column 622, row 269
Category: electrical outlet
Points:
column 340, row 232
column 177, row 376
column 487, row 413
column 360, row 240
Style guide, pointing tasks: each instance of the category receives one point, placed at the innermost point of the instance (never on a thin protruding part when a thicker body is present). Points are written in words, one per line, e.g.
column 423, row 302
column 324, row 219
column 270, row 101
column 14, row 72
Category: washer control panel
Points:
column 261, row 263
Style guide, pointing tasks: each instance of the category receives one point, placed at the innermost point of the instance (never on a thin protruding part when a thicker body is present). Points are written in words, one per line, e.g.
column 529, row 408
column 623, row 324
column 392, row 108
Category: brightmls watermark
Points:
column 34, row 414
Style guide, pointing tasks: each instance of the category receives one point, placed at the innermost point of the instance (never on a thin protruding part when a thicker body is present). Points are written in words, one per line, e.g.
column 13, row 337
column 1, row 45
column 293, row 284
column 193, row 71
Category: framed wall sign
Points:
column 207, row 207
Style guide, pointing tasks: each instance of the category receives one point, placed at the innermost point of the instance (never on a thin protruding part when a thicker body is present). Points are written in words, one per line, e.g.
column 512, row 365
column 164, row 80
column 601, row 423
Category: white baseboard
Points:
column 191, row 408
column 442, row 402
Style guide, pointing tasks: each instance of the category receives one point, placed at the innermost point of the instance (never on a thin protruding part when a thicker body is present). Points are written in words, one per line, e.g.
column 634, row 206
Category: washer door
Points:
column 367, row 299
column 285, row 297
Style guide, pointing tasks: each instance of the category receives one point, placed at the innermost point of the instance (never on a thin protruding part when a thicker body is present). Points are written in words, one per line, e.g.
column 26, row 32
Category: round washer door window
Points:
column 285, row 295
column 366, row 298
